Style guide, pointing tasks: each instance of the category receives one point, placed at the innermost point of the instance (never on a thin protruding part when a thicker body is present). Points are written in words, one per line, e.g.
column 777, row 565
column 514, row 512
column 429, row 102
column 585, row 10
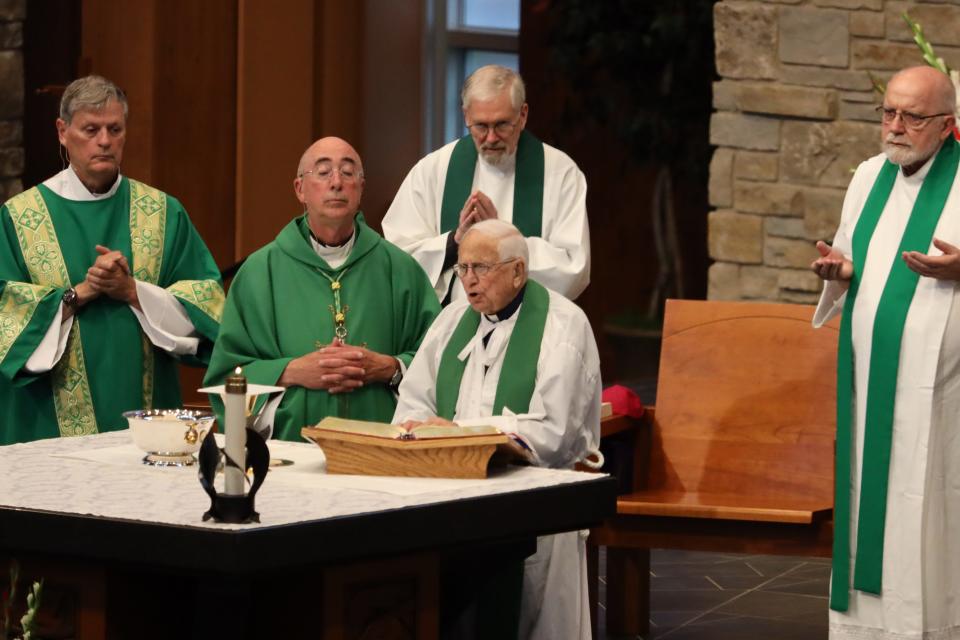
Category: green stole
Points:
column 518, row 376
column 527, row 184
column 882, row 384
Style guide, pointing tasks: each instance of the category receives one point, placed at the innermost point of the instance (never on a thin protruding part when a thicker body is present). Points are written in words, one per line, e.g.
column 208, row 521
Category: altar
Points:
column 125, row 553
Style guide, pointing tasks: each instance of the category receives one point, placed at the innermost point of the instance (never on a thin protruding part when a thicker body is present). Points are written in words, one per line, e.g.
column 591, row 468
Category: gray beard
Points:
column 503, row 161
column 901, row 156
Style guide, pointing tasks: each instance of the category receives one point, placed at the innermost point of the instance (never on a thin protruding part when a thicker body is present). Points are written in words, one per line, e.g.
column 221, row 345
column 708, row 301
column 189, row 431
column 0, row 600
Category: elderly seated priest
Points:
column 329, row 310
column 523, row 358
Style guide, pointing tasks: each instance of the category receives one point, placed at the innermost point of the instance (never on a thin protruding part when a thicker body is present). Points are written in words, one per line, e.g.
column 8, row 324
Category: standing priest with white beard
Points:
column 522, row 358
column 518, row 179
column 893, row 272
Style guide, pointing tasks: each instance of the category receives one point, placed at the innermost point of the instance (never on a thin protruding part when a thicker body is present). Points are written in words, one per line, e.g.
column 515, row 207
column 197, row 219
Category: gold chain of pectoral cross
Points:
column 339, row 312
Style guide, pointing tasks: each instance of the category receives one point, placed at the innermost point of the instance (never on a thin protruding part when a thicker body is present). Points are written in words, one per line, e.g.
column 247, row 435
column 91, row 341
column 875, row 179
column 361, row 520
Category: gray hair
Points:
column 91, row 93
column 510, row 242
column 486, row 83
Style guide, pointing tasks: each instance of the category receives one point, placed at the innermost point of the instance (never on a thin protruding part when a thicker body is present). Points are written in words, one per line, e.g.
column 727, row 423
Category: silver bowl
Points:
column 169, row 437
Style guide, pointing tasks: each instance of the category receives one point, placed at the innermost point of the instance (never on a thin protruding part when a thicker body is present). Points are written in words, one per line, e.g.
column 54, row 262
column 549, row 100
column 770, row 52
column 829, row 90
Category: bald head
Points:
column 327, row 150
column 926, row 84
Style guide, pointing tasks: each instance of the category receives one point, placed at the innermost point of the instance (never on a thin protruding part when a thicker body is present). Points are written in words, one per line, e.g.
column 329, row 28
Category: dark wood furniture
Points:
column 738, row 455
column 376, row 574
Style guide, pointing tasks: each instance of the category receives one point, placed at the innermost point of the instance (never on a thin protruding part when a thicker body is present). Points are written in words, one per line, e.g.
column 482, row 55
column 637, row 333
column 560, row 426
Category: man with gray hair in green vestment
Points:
column 892, row 272
column 329, row 310
column 104, row 285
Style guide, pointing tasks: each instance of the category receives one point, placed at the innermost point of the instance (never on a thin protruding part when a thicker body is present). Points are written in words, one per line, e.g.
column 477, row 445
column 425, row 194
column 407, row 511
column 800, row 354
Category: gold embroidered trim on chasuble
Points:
column 206, row 295
column 44, row 260
column 148, row 221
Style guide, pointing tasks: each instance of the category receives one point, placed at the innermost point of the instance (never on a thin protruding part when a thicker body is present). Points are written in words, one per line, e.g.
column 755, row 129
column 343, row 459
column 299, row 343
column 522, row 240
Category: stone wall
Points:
column 12, row 14
column 794, row 115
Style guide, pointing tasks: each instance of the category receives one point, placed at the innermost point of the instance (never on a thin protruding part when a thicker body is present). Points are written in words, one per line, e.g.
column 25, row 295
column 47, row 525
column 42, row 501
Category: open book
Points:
column 428, row 451
column 396, row 432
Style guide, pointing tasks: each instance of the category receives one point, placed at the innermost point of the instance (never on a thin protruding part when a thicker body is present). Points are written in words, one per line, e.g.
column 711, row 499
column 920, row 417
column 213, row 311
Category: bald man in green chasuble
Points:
column 104, row 285
column 329, row 310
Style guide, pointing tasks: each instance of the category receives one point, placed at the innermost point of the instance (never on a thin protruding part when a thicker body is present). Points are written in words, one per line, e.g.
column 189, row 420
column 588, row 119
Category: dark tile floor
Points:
column 714, row 596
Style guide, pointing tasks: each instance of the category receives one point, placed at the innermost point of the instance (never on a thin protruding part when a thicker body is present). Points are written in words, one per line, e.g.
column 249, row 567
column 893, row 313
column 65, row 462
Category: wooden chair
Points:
column 738, row 456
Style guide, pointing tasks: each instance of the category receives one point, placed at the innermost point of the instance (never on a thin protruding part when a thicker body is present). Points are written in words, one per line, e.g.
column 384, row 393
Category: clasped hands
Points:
column 109, row 275
column 477, row 208
column 338, row 368
column 832, row 265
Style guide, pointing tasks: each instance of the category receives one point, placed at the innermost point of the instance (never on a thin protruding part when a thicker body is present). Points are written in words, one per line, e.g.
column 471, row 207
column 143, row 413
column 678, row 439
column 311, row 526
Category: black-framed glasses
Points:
column 910, row 120
column 480, row 269
column 502, row 128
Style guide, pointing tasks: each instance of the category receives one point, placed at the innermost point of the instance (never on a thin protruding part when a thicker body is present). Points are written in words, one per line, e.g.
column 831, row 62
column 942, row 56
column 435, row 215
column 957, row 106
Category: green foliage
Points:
column 28, row 622
column 929, row 56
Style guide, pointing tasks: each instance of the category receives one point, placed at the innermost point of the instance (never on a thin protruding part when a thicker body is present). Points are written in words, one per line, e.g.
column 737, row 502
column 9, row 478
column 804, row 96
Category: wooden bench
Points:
column 738, row 455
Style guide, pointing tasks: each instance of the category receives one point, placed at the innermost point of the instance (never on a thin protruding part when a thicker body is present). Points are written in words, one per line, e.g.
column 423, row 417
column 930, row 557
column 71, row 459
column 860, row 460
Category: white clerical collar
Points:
column 334, row 256
column 66, row 184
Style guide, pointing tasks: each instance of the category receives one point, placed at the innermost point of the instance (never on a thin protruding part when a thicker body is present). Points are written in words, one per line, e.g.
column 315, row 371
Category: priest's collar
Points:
column 333, row 255
column 921, row 173
column 508, row 310
column 349, row 239
column 66, row 184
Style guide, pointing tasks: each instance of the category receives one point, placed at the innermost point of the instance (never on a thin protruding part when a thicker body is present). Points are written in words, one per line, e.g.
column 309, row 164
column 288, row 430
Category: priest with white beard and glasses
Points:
column 892, row 272
column 518, row 179
column 520, row 357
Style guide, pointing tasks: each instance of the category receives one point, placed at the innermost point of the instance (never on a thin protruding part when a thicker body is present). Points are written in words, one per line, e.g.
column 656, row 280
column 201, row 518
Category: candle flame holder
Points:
column 230, row 508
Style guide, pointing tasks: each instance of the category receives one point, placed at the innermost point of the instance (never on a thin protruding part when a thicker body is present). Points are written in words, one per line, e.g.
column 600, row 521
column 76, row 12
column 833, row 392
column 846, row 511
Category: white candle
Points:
column 235, row 419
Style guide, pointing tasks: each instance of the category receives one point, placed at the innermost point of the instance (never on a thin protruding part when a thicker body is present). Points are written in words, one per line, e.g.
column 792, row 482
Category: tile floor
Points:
column 713, row 596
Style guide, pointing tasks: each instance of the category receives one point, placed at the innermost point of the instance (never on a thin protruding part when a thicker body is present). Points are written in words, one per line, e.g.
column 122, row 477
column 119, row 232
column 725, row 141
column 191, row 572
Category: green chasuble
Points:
column 281, row 306
column 47, row 243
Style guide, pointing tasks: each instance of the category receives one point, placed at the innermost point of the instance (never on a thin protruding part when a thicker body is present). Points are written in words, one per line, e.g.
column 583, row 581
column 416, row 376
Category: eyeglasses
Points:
column 480, row 269
column 910, row 120
column 502, row 128
column 324, row 173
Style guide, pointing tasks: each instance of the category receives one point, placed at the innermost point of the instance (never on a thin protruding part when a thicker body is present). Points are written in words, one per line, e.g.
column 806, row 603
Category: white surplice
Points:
column 559, row 259
column 921, row 554
column 162, row 318
column 561, row 427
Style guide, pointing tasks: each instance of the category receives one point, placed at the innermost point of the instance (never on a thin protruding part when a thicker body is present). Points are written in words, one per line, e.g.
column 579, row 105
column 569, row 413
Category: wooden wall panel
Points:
column 275, row 106
column 119, row 43
column 392, row 104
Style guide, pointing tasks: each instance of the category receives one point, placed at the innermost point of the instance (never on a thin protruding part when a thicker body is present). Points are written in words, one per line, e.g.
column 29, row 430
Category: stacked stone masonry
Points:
column 793, row 117
column 12, row 14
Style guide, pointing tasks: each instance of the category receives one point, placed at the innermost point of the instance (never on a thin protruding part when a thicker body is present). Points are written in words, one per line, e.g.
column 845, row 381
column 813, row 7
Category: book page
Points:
column 429, row 431
column 361, row 427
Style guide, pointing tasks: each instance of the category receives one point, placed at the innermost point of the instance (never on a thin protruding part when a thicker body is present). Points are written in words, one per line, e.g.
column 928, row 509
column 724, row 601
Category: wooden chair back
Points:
column 745, row 402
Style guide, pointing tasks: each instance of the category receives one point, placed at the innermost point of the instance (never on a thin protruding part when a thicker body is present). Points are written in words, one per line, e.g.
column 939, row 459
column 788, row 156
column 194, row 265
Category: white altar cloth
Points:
column 93, row 475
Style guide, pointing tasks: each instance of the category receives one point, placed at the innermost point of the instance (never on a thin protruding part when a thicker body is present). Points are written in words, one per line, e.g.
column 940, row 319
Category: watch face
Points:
column 70, row 297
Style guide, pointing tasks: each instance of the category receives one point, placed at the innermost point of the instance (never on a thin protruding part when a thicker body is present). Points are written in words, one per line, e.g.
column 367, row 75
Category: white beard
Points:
column 906, row 156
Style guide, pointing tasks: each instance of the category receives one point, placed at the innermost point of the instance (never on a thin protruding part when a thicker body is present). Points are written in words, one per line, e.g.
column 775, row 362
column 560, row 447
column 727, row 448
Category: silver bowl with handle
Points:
column 169, row 437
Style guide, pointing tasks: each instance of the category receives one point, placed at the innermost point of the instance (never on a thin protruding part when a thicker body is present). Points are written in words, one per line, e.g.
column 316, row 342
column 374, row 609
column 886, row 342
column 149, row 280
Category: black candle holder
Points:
column 227, row 508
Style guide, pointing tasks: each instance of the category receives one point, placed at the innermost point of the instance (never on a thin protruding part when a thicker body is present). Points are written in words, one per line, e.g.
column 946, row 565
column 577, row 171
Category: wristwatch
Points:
column 71, row 299
column 397, row 376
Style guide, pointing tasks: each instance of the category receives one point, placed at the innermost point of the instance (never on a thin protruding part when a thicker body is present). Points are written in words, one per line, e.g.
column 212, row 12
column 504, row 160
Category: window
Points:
column 466, row 35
